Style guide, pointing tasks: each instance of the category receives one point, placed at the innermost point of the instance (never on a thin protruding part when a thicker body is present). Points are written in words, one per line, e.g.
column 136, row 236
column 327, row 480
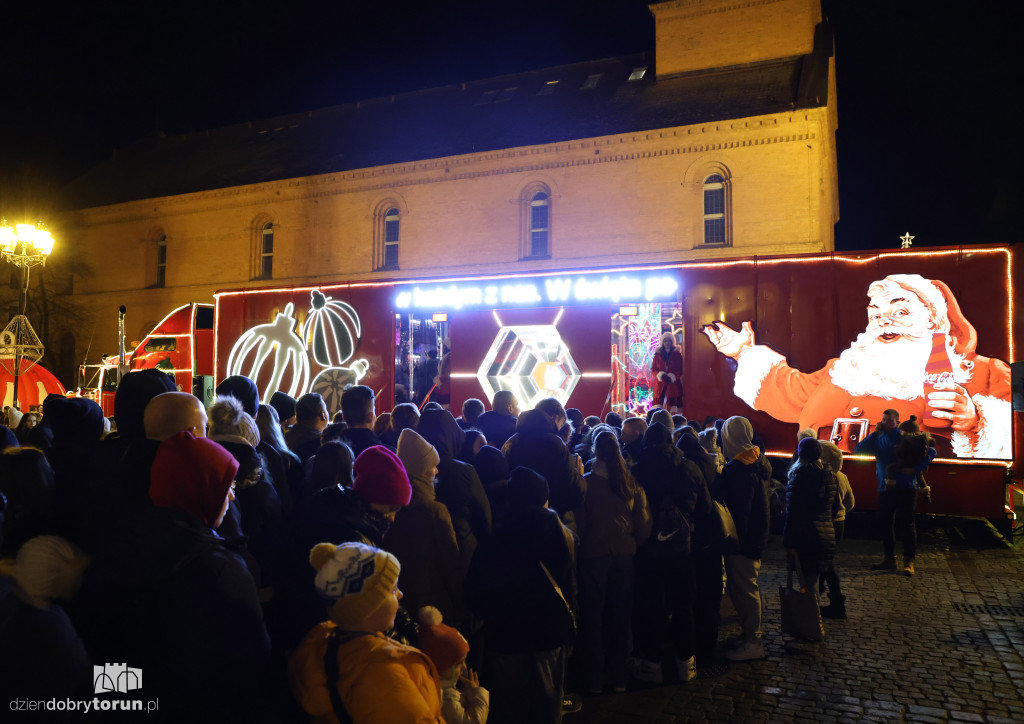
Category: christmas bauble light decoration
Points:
column 331, row 383
column 332, row 330
column 277, row 344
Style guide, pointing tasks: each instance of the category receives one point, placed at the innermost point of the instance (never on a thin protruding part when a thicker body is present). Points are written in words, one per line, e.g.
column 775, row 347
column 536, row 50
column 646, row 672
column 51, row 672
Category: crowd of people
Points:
column 262, row 561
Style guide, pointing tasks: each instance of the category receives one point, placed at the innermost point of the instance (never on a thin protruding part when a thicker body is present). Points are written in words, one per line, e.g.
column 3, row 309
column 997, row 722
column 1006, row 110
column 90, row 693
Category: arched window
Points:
column 716, row 226
column 266, row 255
column 391, row 227
column 161, row 261
column 540, row 204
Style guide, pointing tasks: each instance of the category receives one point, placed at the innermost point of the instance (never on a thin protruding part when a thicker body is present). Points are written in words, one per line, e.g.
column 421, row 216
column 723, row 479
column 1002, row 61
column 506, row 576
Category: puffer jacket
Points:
column 832, row 456
column 743, row 488
column 379, row 680
column 811, row 497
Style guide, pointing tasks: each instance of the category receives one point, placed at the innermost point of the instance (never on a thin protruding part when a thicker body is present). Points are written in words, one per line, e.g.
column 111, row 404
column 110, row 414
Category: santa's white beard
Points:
column 892, row 371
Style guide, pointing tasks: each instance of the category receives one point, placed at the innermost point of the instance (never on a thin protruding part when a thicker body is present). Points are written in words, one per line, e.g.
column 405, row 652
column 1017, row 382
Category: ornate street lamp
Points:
column 25, row 246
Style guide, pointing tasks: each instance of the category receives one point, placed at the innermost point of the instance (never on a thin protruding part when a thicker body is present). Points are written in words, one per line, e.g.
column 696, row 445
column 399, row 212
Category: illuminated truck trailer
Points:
column 823, row 341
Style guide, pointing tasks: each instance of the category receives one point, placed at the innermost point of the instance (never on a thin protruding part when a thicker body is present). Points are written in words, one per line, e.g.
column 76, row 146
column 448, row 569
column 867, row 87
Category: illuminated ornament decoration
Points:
column 532, row 361
column 907, row 240
column 330, row 383
column 332, row 330
column 278, row 343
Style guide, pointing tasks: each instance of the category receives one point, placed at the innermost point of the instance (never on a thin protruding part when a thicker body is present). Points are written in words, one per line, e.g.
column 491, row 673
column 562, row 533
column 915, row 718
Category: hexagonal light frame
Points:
column 533, row 361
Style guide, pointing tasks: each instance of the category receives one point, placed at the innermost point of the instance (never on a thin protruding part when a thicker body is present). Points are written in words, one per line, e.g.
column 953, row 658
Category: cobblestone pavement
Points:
column 946, row 645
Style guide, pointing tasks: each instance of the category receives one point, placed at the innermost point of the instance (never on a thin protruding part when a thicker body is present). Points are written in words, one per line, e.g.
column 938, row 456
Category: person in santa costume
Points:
column 667, row 367
column 885, row 368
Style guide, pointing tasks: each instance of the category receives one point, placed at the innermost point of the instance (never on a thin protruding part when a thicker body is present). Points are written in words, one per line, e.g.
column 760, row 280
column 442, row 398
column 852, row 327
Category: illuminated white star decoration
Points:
column 907, row 240
column 532, row 361
column 279, row 339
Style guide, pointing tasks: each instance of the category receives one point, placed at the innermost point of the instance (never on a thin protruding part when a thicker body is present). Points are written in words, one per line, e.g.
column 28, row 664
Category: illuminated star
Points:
column 907, row 240
column 675, row 322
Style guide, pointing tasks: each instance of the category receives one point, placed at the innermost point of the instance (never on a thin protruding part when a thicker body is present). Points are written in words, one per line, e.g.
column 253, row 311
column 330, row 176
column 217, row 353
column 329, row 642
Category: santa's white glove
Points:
column 671, row 377
column 661, row 376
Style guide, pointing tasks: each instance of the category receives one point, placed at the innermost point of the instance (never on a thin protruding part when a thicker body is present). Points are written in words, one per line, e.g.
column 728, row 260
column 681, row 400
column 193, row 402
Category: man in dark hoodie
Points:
column 168, row 597
column 536, row 445
column 665, row 588
column 458, row 485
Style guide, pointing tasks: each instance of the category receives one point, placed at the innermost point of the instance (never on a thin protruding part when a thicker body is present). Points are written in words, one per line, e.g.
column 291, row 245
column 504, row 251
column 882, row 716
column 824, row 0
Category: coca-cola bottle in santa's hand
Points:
column 938, row 371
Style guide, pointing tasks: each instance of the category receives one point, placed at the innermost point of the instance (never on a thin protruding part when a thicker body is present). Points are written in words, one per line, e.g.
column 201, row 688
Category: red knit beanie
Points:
column 445, row 646
column 192, row 474
column 381, row 477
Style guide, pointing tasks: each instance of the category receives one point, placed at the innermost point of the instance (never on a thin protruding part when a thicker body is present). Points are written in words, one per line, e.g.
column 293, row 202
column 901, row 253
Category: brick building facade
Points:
column 720, row 143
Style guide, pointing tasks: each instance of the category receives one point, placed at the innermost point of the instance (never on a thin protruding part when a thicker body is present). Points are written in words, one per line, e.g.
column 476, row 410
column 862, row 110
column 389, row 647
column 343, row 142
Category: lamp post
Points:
column 25, row 246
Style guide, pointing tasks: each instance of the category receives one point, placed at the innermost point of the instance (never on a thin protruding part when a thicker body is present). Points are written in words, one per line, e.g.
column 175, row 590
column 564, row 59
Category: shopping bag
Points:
column 724, row 528
column 801, row 616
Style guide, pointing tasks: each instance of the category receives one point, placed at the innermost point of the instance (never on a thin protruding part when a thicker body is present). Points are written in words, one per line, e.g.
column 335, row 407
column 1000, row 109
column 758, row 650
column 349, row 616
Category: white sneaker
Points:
column 645, row 670
column 686, row 668
column 746, row 651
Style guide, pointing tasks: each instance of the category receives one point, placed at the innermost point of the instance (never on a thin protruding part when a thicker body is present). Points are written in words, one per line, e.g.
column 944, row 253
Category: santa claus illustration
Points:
column 885, row 368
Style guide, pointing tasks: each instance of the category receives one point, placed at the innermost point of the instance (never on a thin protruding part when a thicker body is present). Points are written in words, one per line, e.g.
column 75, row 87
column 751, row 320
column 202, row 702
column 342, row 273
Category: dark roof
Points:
column 486, row 115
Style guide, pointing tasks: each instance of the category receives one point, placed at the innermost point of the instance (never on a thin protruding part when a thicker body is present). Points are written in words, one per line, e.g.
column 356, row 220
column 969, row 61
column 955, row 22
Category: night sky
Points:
column 925, row 92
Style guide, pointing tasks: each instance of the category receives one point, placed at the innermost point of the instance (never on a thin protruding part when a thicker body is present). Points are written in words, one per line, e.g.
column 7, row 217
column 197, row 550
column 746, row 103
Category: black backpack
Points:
column 670, row 534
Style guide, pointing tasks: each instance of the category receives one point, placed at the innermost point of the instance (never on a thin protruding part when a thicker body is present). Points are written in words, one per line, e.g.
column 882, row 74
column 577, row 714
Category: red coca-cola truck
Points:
column 181, row 345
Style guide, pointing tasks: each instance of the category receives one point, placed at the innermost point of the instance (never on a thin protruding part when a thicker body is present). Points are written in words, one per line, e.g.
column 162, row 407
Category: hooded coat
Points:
column 458, row 486
column 536, row 445
column 423, row 539
column 742, row 486
column 832, row 456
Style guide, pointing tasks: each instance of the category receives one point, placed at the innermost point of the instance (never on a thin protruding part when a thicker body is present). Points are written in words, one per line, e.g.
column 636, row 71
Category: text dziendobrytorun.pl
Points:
column 85, row 705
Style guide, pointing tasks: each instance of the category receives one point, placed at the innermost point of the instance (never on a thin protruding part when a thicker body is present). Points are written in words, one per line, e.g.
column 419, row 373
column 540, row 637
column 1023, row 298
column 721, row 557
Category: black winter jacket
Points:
column 171, row 599
column 743, row 489
column 536, row 446
column 664, row 472
column 503, row 578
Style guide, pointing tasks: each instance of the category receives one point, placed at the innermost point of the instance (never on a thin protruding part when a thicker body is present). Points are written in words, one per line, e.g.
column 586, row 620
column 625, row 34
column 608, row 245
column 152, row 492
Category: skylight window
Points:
column 591, row 82
column 506, row 95
column 637, row 74
column 548, row 88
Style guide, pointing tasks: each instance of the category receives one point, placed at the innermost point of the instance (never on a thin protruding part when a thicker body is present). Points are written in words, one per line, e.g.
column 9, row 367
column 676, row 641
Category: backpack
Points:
column 670, row 534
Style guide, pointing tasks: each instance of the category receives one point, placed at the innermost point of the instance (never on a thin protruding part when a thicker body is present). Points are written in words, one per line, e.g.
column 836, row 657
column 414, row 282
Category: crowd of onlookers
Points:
column 274, row 561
